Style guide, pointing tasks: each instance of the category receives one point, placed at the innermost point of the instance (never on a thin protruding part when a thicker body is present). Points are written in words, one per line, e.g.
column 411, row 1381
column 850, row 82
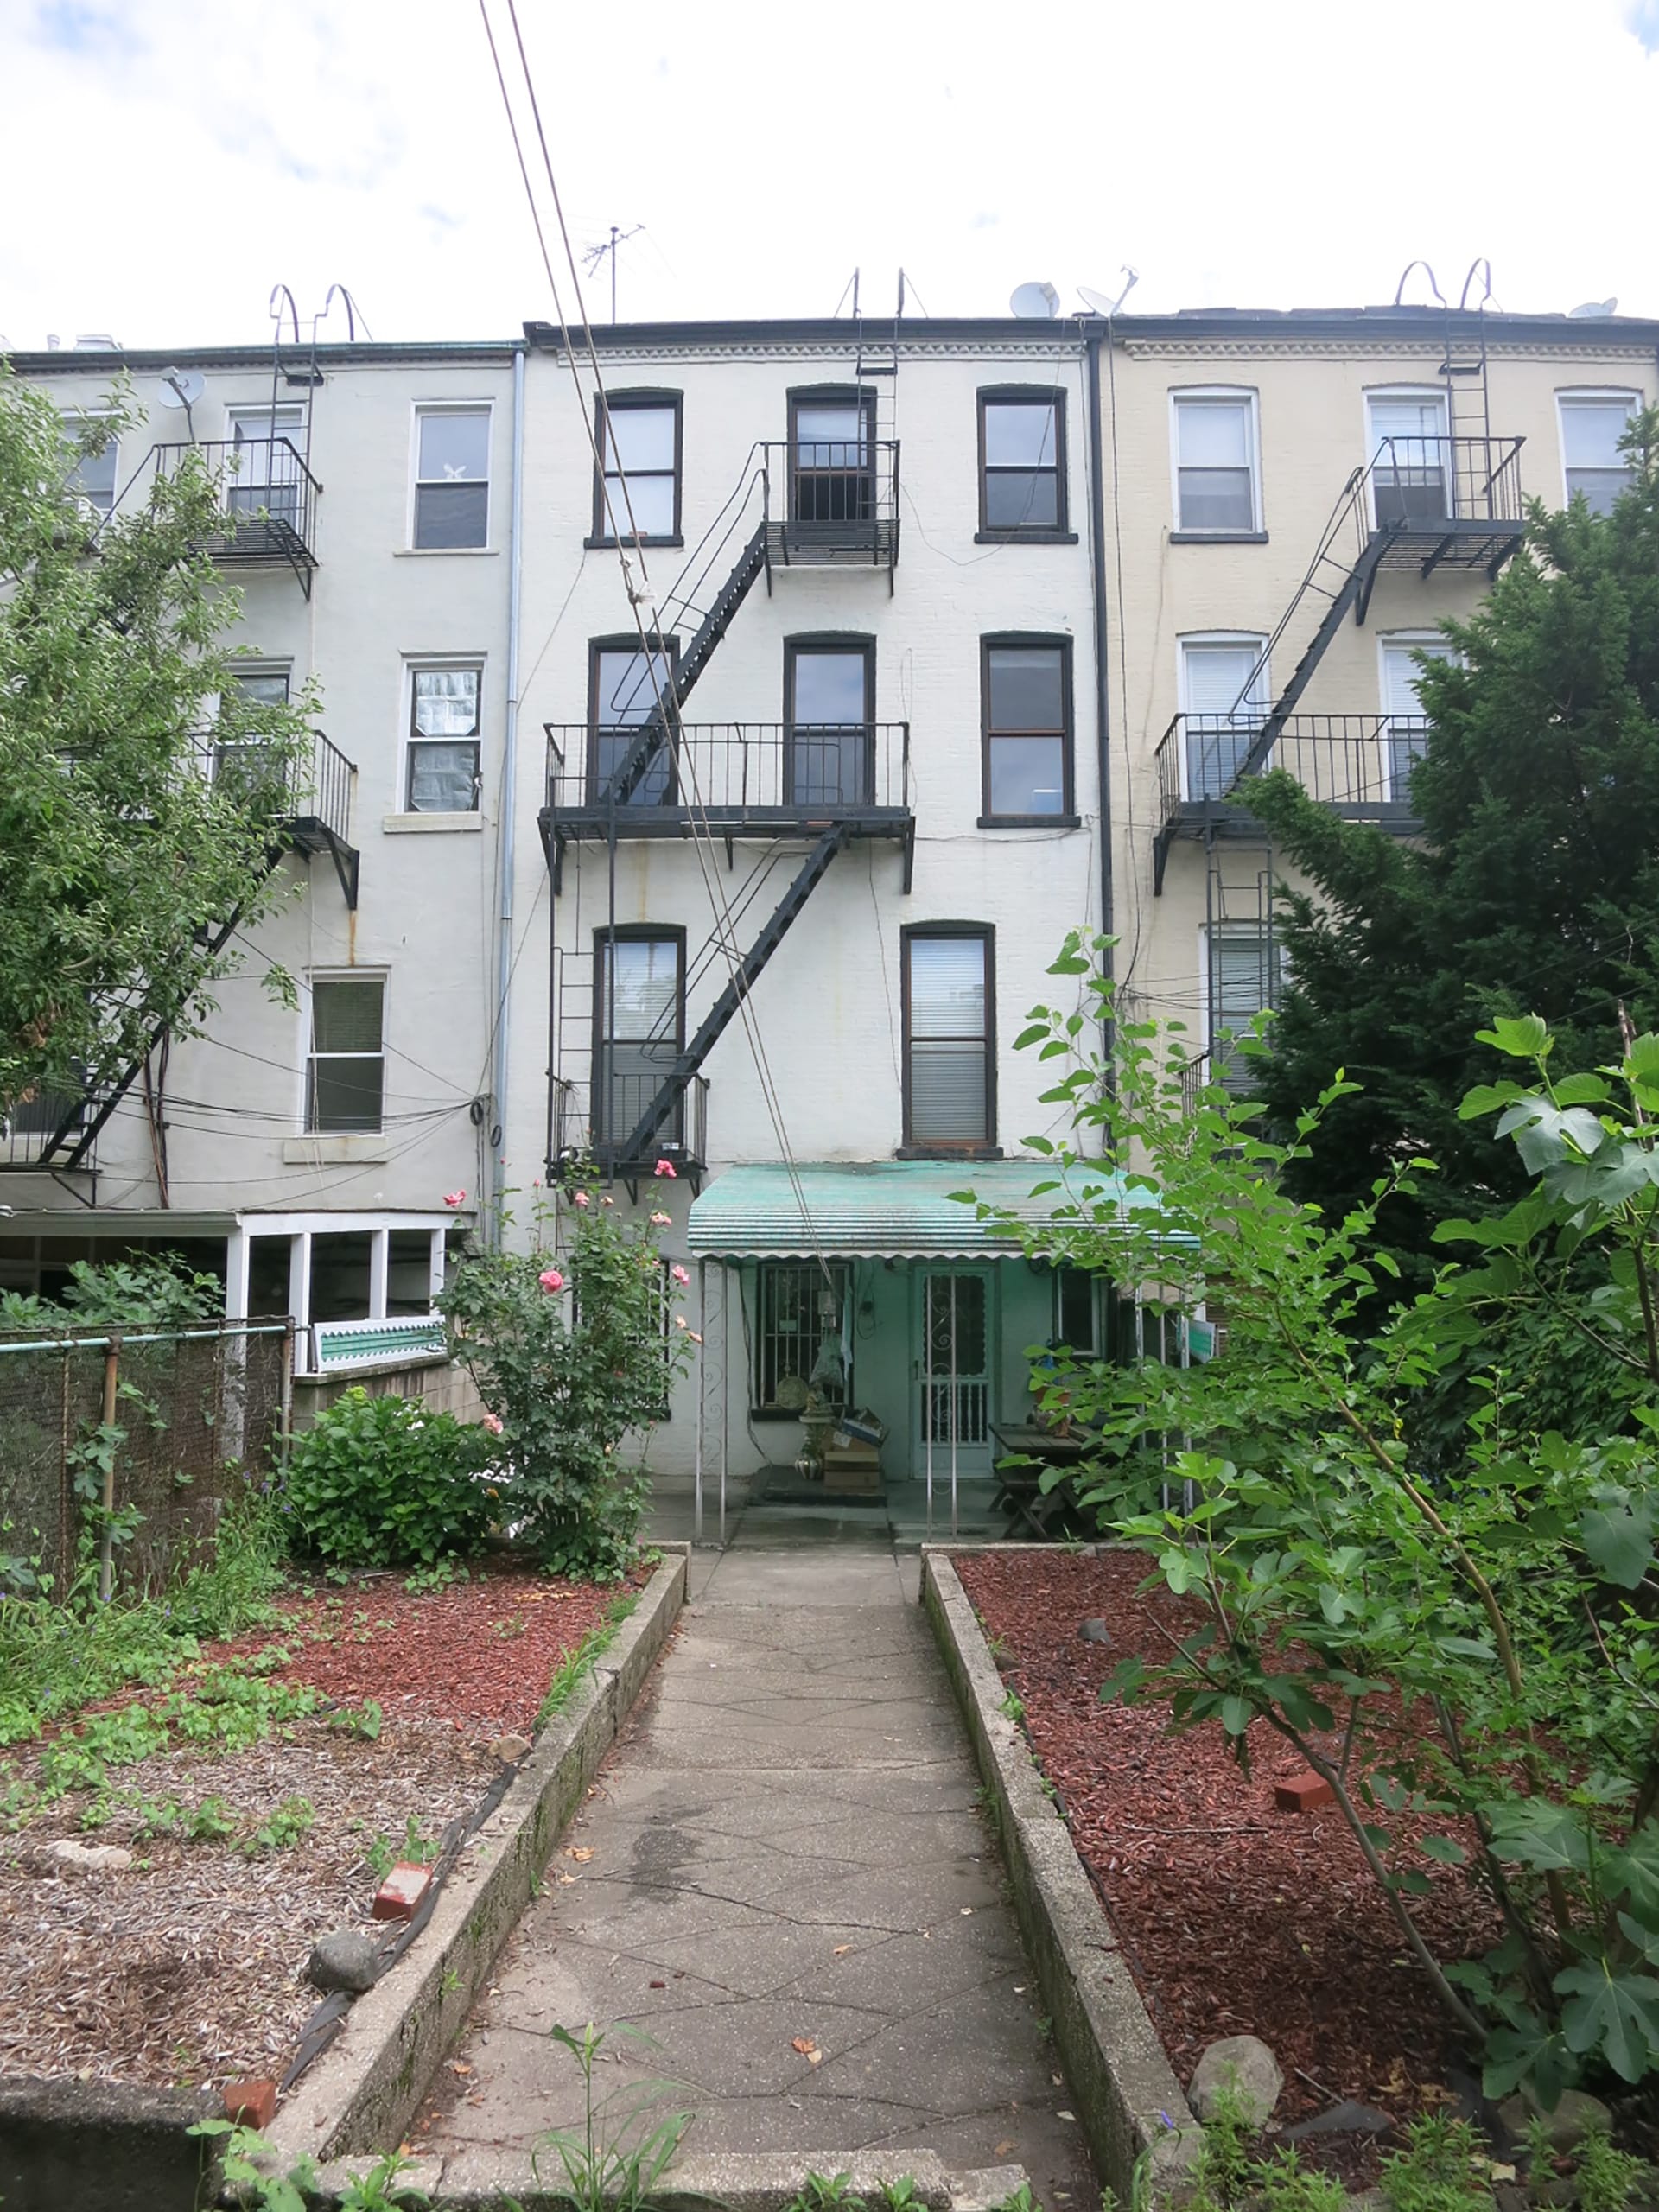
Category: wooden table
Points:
column 1020, row 1491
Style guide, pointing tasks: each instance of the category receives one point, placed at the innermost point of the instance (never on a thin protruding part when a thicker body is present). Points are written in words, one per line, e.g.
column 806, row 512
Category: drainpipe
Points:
column 507, row 822
column 1102, row 713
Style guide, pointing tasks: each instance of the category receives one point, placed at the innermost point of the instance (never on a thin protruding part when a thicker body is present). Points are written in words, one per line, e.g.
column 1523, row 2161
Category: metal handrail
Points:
column 269, row 493
column 735, row 769
column 572, row 1133
column 1362, row 760
column 835, row 483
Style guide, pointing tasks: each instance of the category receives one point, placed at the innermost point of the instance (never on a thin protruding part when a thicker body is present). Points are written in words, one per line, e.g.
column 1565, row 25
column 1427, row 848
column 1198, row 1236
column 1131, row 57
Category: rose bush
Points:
column 570, row 1354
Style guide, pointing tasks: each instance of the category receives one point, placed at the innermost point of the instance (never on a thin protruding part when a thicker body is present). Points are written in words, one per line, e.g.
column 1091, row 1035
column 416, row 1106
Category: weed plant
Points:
column 621, row 2152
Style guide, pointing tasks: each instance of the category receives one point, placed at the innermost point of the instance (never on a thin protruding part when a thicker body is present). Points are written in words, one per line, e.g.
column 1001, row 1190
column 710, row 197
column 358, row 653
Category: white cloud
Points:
column 186, row 154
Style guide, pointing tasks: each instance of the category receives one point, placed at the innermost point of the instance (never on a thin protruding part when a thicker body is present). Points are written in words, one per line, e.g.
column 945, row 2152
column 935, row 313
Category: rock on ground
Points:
column 1244, row 2065
column 90, row 1857
column 1571, row 2120
column 345, row 1960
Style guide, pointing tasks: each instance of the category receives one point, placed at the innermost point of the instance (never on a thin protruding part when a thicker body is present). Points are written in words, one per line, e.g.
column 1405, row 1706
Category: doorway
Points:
column 954, row 1329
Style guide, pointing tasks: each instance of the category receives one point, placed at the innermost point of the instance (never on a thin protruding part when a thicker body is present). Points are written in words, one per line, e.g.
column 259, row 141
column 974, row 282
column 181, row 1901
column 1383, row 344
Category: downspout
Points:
column 507, row 822
column 1103, row 711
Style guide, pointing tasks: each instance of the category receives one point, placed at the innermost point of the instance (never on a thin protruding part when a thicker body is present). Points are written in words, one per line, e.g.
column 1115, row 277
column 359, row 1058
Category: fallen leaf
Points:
column 814, row 2057
column 840, row 1950
column 966, row 1910
column 804, row 2045
column 657, row 1985
column 584, row 1852
column 1002, row 2149
column 568, row 1880
column 1066, row 2116
column 459, row 2066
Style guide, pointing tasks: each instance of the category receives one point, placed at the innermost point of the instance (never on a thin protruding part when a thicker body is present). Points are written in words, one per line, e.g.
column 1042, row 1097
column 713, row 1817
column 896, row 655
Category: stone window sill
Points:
column 423, row 825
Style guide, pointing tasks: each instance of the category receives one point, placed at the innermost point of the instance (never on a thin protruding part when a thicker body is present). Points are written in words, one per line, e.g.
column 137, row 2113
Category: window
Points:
column 1223, row 695
column 624, row 688
column 443, row 740
column 1026, row 698
column 1021, row 462
column 1076, row 1309
column 239, row 761
column 1406, row 732
column 640, row 439
column 266, row 445
column 832, row 457
column 1411, row 456
column 452, row 478
column 1216, row 490
column 950, row 1061
column 639, row 1029
column 830, row 738
column 1592, row 422
column 803, row 1334
column 346, row 1069
column 1243, row 980
column 91, row 475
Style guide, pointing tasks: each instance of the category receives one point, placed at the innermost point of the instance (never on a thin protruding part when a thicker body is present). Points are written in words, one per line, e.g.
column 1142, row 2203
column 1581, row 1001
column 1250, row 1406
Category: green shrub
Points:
column 380, row 1482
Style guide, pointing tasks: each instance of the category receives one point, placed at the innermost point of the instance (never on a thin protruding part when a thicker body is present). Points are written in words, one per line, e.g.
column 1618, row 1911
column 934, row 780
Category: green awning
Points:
column 882, row 1209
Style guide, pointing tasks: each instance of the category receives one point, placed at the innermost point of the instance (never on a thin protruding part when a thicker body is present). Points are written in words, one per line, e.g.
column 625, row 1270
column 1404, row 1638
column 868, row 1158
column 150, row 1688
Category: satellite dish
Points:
column 1035, row 303
column 181, row 387
column 1097, row 302
column 1591, row 310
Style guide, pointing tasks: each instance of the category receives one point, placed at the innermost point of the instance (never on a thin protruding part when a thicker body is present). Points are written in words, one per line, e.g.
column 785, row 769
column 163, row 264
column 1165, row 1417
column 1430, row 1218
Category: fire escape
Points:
column 825, row 498
column 1442, row 502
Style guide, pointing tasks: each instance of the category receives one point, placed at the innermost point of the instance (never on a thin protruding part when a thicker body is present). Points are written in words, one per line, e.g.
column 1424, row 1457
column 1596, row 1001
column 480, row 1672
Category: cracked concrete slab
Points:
column 786, row 1849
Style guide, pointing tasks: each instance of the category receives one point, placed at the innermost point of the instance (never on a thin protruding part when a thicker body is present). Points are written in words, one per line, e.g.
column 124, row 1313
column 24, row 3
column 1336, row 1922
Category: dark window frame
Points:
column 638, row 398
column 914, row 1148
column 806, row 643
column 846, row 1283
column 1051, row 641
column 634, row 933
column 622, row 641
column 415, row 740
column 832, row 395
column 1058, row 532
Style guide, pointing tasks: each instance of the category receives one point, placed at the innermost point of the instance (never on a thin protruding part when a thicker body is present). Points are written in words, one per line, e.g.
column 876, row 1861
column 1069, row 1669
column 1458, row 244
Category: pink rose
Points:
column 581, row 1198
column 679, row 1274
column 680, row 1321
column 666, row 1168
column 492, row 1421
column 607, row 1201
column 455, row 1197
column 550, row 1279
column 662, row 1221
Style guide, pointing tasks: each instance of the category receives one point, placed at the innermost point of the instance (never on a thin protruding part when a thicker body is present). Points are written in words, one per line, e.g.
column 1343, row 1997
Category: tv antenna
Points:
column 594, row 255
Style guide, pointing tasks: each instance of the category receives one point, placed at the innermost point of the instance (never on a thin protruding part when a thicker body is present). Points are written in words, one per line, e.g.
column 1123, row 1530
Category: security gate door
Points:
column 955, row 1376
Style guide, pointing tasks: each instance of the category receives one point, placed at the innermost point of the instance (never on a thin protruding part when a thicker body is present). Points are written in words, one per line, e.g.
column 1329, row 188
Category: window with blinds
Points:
column 1592, row 425
column 637, row 1032
column 346, row 1068
column 949, row 1061
column 1243, row 981
column 1216, row 489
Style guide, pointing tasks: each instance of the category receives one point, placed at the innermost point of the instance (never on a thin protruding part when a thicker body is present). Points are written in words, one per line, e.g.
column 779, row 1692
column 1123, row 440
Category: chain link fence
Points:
column 162, row 1427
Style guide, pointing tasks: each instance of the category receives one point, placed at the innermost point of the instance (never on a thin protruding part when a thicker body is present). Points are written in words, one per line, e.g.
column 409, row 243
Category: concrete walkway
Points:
column 783, row 1845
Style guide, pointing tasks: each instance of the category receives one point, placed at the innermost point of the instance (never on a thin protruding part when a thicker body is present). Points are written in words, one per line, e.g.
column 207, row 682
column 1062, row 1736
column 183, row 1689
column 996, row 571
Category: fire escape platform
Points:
column 1421, row 546
column 871, row 545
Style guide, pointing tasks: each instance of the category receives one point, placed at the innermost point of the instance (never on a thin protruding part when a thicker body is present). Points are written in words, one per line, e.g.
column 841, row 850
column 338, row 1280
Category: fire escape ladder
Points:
column 678, row 1078
column 653, row 734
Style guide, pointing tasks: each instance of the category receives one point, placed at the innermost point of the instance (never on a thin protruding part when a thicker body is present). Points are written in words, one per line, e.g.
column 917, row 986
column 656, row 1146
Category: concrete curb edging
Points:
column 362, row 2091
column 1127, row 2096
column 731, row 2181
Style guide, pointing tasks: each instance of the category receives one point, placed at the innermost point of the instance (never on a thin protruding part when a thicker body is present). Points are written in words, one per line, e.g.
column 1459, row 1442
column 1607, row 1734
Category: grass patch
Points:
column 575, row 1666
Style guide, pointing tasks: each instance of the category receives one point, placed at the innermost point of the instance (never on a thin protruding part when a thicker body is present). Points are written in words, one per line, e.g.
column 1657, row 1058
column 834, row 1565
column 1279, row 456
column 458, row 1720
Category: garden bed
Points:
column 279, row 1775
column 1235, row 1918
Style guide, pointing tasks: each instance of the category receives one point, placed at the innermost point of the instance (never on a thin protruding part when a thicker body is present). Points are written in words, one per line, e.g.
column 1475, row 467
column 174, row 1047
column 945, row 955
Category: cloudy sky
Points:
column 177, row 158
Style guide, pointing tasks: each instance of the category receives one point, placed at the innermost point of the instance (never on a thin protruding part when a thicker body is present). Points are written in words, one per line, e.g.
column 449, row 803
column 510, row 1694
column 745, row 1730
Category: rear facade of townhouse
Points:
column 721, row 732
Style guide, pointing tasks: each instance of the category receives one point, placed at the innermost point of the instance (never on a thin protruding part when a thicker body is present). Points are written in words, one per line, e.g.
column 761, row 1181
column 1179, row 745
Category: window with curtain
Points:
column 947, row 1008
column 443, row 740
column 1027, row 701
column 1215, row 462
column 637, row 1025
column 452, row 478
column 641, row 487
column 1592, row 425
column 346, row 1068
column 1021, row 462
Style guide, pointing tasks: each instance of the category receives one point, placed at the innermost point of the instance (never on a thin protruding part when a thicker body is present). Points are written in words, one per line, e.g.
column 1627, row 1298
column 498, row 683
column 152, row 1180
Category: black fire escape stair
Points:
column 679, row 1077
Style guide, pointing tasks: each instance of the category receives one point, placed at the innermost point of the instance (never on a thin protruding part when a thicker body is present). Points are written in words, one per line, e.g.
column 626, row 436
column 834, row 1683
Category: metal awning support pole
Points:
column 927, row 1394
column 956, row 1404
column 702, row 1334
column 725, row 1384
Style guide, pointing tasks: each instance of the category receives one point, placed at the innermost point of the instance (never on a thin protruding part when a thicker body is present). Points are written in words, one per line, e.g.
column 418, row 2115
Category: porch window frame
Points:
column 769, row 1269
column 915, row 1148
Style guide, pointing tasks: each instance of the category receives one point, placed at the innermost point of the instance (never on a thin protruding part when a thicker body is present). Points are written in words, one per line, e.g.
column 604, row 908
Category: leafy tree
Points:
column 122, row 857
column 1333, row 1586
column 568, row 1352
column 1535, row 887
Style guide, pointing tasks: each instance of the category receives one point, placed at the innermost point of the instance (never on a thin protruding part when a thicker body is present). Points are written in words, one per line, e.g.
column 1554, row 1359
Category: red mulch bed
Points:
column 480, row 1653
column 1236, row 1918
